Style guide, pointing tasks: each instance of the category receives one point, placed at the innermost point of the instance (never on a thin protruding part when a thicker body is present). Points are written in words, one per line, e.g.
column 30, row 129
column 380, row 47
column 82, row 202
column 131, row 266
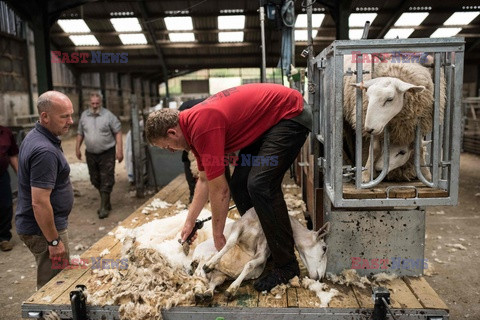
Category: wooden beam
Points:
column 393, row 18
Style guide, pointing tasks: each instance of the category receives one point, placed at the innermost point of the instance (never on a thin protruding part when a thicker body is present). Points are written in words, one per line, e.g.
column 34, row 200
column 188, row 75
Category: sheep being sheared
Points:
column 246, row 251
column 400, row 95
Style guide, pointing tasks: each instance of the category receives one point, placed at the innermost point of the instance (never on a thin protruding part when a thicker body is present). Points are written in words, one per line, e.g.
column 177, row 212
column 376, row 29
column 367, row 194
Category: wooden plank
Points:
column 246, row 297
column 397, row 190
column 346, row 297
column 64, row 280
column 89, row 279
column 401, row 296
column 270, row 301
column 307, row 298
column 292, row 298
column 428, row 298
column 364, row 296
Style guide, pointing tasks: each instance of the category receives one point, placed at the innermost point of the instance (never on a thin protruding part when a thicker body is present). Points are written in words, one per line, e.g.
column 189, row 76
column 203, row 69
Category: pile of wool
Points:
column 147, row 286
column 349, row 277
column 323, row 293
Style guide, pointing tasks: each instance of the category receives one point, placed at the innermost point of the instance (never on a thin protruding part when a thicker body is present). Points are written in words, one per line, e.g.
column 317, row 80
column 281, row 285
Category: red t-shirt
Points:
column 233, row 119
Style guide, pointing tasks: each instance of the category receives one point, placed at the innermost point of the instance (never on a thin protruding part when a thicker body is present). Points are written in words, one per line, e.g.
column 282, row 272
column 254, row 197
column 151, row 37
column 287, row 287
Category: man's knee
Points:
column 258, row 187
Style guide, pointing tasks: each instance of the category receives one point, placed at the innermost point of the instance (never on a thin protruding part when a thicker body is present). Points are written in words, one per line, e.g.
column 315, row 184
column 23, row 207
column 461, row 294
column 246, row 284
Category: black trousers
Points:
column 259, row 184
column 6, row 209
column 101, row 168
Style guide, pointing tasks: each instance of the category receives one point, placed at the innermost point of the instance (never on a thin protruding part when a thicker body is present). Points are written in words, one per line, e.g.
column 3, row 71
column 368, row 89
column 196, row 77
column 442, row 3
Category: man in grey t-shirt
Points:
column 101, row 131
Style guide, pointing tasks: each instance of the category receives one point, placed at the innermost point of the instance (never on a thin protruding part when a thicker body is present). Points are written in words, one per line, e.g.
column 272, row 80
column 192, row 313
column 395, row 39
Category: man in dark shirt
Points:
column 45, row 194
column 8, row 156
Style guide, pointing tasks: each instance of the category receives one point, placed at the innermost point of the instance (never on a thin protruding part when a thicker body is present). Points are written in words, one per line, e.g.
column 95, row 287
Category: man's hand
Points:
column 58, row 251
column 219, row 241
column 187, row 229
column 119, row 155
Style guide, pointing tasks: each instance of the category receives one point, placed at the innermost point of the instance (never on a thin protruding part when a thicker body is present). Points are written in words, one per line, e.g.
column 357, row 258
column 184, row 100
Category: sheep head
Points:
column 399, row 155
column 313, row 251
column 385, row 100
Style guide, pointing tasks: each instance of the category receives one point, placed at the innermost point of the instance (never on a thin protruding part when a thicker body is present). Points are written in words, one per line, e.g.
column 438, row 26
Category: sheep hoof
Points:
column 229, row 295
column 208, row 296
column 207, row 269
column 199, row 298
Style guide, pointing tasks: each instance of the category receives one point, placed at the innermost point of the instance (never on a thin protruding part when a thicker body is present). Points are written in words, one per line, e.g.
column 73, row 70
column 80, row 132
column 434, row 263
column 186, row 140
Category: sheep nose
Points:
column 369, row 131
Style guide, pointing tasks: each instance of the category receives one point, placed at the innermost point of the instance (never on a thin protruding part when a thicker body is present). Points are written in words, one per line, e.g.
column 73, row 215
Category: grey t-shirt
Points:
column 41, row 164
column 98, row 130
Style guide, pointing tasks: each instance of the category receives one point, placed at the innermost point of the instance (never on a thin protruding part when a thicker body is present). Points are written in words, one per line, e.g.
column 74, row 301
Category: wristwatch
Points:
column 54, row 242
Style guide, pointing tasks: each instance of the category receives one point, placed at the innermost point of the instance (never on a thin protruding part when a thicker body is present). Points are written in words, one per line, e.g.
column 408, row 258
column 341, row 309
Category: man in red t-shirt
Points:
column 268, row 124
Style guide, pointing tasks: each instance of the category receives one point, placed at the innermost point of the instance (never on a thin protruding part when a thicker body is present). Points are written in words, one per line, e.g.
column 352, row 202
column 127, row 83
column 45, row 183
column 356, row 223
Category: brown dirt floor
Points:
column 457, row 280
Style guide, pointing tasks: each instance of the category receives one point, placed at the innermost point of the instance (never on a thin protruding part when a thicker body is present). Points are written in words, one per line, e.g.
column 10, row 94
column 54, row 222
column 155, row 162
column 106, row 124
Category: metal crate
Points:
column 444, row 155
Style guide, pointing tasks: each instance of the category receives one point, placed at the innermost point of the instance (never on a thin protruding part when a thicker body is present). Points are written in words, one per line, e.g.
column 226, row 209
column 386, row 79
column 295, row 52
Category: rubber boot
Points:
column 104, row 199
column 109, row 205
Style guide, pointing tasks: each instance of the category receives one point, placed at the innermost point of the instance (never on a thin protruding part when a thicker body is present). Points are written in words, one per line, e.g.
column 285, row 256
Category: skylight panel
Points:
column 126, row 24
column 84, row 40
column 359, row 19
column 411, row 19
column 355, row 34
column 73, row 26
column 317, row 19
column 401, row 33
column 231, row 22
column 178, row 23
column 445, row 32
column 461, row 18
column 133, row 38
column 230, row 36
column 182, row 37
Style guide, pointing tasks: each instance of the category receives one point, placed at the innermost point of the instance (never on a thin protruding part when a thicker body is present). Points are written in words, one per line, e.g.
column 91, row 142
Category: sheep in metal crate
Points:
column 400, row 95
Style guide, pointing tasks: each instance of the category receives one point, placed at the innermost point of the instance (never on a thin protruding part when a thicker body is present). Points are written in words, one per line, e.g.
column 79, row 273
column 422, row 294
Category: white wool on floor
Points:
column 321, row 290
column 384, row 277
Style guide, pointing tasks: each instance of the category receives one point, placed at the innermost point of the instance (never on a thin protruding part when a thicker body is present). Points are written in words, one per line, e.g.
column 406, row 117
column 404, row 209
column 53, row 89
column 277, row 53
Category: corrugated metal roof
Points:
column 207, row 52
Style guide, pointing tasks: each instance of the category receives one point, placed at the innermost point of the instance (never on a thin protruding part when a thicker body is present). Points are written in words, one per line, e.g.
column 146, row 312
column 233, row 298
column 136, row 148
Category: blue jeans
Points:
column 260, row 186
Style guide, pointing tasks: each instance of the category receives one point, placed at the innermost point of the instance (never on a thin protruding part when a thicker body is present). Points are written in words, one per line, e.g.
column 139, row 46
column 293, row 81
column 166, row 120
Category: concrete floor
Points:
column 457, row 280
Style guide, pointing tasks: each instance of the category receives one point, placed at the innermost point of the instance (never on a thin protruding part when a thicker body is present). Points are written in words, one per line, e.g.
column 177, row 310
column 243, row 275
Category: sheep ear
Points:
column 426, row 143
column 323, row 231
column 405, row 86
column 364, row 84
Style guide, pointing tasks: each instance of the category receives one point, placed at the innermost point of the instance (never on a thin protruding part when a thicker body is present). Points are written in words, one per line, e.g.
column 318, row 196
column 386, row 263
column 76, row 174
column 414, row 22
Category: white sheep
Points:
column 246, row 251
column 400, row 95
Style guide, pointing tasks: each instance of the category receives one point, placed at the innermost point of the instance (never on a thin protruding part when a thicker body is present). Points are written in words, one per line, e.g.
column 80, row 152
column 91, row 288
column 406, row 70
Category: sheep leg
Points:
column 256, row 262
column 216, row 279
column 231, row 241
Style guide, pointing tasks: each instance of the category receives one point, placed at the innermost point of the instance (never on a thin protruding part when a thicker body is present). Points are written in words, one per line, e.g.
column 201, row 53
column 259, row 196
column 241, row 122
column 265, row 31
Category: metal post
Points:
column 264, row 58
column 41, row 31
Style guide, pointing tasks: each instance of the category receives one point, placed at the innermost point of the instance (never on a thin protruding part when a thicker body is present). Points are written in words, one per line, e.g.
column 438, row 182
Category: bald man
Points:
column 45, row 194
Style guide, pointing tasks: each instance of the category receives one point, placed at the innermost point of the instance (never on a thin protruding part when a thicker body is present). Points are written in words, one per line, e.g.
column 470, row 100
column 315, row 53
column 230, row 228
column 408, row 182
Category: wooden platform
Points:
column 399, row 190
column 412, row 297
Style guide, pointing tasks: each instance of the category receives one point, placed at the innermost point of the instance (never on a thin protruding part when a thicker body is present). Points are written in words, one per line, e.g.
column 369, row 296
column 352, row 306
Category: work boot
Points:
column 104, row 200
column 277, row 276
column 6, row 245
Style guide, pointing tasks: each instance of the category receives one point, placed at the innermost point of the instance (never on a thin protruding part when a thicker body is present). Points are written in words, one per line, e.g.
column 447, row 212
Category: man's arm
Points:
column 200, row 197
column 119, row 146
column 43, row 211
column 77, row 146
column 14, row 163
column 219, row 200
